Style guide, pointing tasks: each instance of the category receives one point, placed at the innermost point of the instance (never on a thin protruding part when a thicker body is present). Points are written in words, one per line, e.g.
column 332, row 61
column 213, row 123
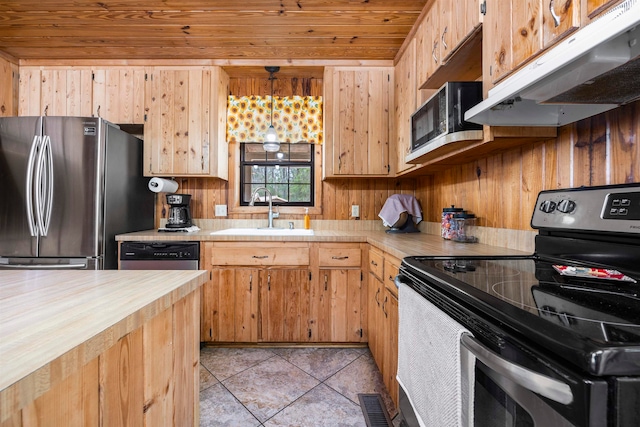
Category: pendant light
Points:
column 271, row 142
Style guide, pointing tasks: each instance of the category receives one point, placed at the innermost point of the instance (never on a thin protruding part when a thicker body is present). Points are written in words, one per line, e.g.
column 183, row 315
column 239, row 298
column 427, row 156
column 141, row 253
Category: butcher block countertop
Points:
column 54, row 321
column 398, row 245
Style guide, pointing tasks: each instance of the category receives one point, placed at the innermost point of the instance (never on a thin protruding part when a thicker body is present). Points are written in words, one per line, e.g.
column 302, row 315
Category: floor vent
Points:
column 375, row 414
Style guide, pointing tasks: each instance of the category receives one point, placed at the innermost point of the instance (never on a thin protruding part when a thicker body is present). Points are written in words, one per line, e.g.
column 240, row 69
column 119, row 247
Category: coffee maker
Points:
column 179, row 212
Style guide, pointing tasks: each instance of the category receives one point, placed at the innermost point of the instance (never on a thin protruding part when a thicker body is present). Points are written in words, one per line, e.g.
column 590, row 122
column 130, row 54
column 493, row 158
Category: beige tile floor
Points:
column 250, row 387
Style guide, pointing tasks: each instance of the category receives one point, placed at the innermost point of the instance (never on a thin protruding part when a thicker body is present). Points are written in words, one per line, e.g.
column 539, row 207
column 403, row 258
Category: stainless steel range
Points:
column 548, row 339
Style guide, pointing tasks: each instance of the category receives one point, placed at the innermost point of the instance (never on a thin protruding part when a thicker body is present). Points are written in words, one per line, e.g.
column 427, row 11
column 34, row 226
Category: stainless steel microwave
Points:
column 443, row 113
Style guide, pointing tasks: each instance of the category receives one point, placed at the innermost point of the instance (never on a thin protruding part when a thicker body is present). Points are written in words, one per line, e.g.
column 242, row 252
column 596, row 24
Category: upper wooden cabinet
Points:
column 358, row 121
column 593, row 8
column 184, row 132
column 448, row 43
column 113, row 93
column 517, row 30
column 404, row 105
column 55, row 91
column 118, row 94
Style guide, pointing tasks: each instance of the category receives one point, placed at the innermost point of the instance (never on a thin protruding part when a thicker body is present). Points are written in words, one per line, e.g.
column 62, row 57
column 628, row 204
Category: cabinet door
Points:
column 561, row 18
column 246, row 305
column 376, row 322
column 182, row 128
column 342, row 302
column 527, row 30
column 118, row 94
column 405, row 104
column 217, row 313
column 55, row 91
column 446, row 30
column 596, row 7
column 284, row 305
column 358, row 108
column 390, row 369
column 497, row 38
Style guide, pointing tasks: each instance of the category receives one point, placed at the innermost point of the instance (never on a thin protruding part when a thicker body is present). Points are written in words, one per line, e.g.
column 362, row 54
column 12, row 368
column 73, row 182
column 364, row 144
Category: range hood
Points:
column 594, row 70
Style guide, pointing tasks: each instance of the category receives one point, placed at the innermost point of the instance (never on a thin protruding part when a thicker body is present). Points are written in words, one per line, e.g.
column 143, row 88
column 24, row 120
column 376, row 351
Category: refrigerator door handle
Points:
column 31, row 163
column 44, row 186
column 48, row 185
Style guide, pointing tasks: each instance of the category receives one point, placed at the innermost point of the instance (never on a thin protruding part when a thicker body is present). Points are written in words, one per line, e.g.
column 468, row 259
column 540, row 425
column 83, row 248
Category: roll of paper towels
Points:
column 161, row 185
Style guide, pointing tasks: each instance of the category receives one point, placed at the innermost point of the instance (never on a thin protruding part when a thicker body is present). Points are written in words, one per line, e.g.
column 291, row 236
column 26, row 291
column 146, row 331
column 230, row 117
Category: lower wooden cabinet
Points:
column 339, row 296
column 383, row 317
column 148, row 377
column 230, row 306
column 254, row 296
column 284, row 305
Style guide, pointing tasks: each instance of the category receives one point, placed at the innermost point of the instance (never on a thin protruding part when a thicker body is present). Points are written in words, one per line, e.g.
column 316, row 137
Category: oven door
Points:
column 506, row 394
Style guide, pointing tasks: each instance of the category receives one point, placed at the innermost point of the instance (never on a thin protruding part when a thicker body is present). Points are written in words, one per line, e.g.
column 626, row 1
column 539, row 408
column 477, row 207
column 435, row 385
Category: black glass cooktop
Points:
column 569, row 304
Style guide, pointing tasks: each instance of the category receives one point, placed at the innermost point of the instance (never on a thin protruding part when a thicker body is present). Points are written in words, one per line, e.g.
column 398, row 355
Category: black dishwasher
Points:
column 159, row 255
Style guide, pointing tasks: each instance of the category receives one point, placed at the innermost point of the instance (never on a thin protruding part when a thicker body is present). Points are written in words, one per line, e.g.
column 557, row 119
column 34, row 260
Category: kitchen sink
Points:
column 263, row 232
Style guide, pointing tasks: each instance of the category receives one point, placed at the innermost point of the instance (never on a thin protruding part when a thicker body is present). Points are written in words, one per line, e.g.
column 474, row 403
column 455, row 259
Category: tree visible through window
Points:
column 287, row 174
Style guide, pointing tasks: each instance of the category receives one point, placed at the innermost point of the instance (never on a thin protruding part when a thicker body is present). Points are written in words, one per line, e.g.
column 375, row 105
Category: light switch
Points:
column 221, row 210
column 355, row 211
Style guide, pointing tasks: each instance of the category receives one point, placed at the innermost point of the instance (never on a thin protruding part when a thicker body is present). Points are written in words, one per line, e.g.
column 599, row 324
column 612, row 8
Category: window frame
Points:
column 233, row 187
column 266, row 162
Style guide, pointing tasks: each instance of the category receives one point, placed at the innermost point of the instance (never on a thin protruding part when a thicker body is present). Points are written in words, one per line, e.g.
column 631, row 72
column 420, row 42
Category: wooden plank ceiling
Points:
column 287, row 30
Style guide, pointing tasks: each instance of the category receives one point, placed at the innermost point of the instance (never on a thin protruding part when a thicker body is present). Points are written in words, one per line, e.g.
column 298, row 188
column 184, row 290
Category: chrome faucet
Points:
column 271, row 213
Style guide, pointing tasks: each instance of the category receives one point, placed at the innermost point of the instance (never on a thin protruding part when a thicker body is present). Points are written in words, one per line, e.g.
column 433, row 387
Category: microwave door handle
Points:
column 537, row 383
column 459, row 107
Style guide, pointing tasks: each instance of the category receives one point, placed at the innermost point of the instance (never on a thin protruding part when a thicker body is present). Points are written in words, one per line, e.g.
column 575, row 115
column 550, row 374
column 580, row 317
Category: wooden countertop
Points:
column 52, row 321
column 398, row 245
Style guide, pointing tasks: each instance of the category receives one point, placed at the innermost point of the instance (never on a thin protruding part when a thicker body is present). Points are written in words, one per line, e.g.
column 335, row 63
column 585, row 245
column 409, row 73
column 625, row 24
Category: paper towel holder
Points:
column 159, row 185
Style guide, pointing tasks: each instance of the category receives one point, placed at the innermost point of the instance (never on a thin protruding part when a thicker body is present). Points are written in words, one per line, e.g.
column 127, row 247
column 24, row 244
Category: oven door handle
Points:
column 533, row 381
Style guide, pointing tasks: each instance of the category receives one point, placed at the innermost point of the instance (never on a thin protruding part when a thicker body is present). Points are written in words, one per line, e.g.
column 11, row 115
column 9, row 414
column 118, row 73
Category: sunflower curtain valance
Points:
column 296, row 118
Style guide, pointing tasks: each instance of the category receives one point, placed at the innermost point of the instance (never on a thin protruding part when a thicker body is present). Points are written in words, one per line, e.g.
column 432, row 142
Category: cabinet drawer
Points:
column 293, row 254
column 339, row 257
column 376, row 263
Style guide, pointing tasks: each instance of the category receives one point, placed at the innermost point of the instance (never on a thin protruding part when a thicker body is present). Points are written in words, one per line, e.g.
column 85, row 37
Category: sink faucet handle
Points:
column 290, row 225
column 276, row 214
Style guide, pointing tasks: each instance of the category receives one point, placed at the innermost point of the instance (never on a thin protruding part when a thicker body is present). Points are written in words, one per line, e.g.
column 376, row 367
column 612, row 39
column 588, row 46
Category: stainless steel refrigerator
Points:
column 68, row 185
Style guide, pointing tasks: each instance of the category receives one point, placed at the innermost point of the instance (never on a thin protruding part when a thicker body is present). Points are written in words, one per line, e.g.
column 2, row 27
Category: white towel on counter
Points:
column 395, row 205
column 429, row 368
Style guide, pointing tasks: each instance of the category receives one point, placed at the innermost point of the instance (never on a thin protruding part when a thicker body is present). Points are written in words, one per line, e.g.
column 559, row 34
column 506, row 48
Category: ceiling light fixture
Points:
column 271, row 143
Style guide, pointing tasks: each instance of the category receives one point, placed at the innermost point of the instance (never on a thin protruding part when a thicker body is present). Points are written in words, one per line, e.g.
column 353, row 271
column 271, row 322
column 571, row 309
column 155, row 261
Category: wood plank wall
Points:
column 8, row 88
column 500, row 189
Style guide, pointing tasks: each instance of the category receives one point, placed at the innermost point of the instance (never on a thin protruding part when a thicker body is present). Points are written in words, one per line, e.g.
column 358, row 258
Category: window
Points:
column 288, row 174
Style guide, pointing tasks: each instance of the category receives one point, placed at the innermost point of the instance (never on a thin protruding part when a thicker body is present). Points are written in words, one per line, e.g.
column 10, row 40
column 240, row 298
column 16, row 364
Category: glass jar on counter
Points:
column 465, row 227
column 448, row 226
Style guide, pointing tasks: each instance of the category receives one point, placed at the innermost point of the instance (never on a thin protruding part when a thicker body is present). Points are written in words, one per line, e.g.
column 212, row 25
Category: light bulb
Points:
column 272, row 135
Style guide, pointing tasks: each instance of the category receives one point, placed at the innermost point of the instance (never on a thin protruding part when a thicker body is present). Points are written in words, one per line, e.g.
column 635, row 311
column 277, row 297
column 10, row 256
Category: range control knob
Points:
column 547, row 206
column 566, row 206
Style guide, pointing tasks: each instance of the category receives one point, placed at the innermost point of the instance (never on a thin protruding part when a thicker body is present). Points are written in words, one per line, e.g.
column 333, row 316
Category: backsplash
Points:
column 522, row 240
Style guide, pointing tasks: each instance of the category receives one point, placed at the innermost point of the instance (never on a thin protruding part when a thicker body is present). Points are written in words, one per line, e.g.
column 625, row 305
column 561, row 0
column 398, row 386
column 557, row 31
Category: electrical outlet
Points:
column 221, row 210
column 355, row 211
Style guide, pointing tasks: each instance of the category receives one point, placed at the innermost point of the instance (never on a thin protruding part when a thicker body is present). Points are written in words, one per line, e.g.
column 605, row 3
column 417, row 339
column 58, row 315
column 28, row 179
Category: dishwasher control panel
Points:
column 138, row 251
